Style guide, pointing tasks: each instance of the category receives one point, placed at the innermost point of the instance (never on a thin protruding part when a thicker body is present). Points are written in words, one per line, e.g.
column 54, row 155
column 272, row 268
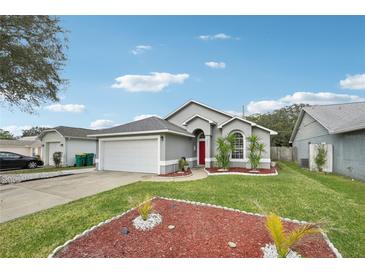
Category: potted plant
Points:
column 183, row 165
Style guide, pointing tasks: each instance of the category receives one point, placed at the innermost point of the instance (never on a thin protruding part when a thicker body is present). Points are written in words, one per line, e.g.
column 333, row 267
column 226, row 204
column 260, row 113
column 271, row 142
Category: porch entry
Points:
column 201, row 151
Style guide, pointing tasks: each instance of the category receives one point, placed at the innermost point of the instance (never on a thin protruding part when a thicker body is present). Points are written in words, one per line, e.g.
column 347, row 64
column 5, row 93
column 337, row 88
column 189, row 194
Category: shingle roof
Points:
column 337, row 118
column 148, row 124
column 22, row 143
column 340, row 117
column 75, row 132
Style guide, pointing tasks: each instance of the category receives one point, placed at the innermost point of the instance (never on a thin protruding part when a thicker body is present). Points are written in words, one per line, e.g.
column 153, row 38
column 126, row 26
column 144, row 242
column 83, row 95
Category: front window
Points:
column 237, row 153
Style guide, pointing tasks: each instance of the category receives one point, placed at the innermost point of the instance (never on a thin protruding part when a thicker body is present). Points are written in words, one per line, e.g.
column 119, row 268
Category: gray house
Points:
column 154, row 145
column 343, row 126
column 69, row 141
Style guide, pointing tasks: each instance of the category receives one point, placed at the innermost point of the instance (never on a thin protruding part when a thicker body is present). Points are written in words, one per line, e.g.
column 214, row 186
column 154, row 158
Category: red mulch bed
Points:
column 243, row 170
column 177, row 174
column 200, row 232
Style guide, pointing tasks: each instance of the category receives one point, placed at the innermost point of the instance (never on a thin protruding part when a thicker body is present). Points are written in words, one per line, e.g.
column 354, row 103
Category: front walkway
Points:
column 21, row 199
column 197, row 174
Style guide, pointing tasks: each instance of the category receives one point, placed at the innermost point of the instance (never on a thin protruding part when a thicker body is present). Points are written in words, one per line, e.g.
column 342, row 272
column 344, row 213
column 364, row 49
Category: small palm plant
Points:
column 284, row 241
column 145, row 209
column 225, row 146
column 320, row 158
column 255, row 149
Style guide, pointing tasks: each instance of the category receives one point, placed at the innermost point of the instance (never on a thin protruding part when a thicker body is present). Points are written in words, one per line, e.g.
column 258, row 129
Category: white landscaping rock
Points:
column 269, row 251
column 152, row 220
column 232, row 244
column 22, row 177
column 171, row 227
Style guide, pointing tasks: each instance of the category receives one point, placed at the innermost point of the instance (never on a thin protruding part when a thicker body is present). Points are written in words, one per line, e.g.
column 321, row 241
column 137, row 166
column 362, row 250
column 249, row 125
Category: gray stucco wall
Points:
column 78, row 146
column 178, row 146
column 265, row 139
column 175, row 147
column 348, row 148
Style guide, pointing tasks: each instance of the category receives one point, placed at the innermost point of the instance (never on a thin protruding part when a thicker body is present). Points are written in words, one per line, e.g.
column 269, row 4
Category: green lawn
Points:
column 44, row 169
column 336, row 201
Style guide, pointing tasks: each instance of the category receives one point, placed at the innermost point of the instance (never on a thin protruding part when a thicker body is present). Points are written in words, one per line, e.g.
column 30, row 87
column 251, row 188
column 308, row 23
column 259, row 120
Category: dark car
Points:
column 10, row 160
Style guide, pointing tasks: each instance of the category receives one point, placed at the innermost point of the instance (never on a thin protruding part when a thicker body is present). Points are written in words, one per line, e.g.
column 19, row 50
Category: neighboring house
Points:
column 154, row 145
column 68, row 140
column 343, row 126
column 28, row 146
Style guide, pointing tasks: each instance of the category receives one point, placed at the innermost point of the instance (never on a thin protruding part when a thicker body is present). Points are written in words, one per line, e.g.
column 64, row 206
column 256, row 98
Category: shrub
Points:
column 144, row 210
column 182, row 163
column 320, row 158
column 285, row 241
column 57, row 158
column 225, row 146
column 255, row 149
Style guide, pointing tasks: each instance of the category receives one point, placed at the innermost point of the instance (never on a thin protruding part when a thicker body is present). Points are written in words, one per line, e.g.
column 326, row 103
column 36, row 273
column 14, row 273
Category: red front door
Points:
column 201, row 152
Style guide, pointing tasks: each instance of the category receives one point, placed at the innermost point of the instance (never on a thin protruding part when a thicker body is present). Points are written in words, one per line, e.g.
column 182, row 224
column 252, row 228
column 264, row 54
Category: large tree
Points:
column 33, row 131
column 4, row 134
column 281, row 120
column 32, row 56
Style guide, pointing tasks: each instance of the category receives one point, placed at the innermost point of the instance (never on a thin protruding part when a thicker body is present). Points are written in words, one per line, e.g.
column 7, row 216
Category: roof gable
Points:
column 199, row 104
column 272, row 132
column 336, row 118
column 72, row 132
column 150, row 124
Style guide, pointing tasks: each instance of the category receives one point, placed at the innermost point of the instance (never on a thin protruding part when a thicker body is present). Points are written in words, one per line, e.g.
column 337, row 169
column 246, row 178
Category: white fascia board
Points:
column 50, row 130
column 198, row 103
column 236, row 118
column 198, row 116
column 141, row 133
column 272, row 132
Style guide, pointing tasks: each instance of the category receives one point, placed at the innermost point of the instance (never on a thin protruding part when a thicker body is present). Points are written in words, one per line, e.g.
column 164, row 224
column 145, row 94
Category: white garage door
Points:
column 52, row 148
column 130, row 155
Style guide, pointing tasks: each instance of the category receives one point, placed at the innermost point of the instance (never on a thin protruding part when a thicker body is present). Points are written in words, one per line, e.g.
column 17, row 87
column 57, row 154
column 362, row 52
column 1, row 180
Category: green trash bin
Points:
column 90, row 159
column 80, row 160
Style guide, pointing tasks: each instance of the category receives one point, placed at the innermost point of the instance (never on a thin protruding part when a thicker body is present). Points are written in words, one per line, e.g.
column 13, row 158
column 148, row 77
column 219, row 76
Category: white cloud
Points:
column 18, row 130
column 66, row 108
column 141, row 49
column 215, row 65
column 311, row 98
column 101, row 123
column 218, row 36
column 143, row 116
column 356, row 81
column 234, row 113
column 154, row 82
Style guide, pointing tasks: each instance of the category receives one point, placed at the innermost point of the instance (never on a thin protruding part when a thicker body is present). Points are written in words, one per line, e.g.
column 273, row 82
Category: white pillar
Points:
column 207, row 151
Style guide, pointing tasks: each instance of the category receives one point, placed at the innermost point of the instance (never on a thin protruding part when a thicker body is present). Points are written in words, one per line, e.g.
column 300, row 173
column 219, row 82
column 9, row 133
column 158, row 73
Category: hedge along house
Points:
column 154, row 145
column 68, row 140
column 342, row 126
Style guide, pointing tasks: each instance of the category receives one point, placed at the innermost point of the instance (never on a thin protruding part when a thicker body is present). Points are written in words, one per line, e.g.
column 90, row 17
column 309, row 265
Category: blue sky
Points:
column 262, row 62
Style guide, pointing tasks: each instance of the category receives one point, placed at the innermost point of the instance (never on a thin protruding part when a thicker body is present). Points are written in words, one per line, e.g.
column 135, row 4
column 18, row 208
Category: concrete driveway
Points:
column 17, row 200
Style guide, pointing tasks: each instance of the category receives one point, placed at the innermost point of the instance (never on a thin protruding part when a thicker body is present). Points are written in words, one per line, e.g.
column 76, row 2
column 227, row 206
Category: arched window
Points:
column 237, row 153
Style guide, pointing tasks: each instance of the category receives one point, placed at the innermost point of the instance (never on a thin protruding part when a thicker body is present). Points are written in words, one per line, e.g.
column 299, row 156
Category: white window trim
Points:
column 152, row 137
column 244, row 159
